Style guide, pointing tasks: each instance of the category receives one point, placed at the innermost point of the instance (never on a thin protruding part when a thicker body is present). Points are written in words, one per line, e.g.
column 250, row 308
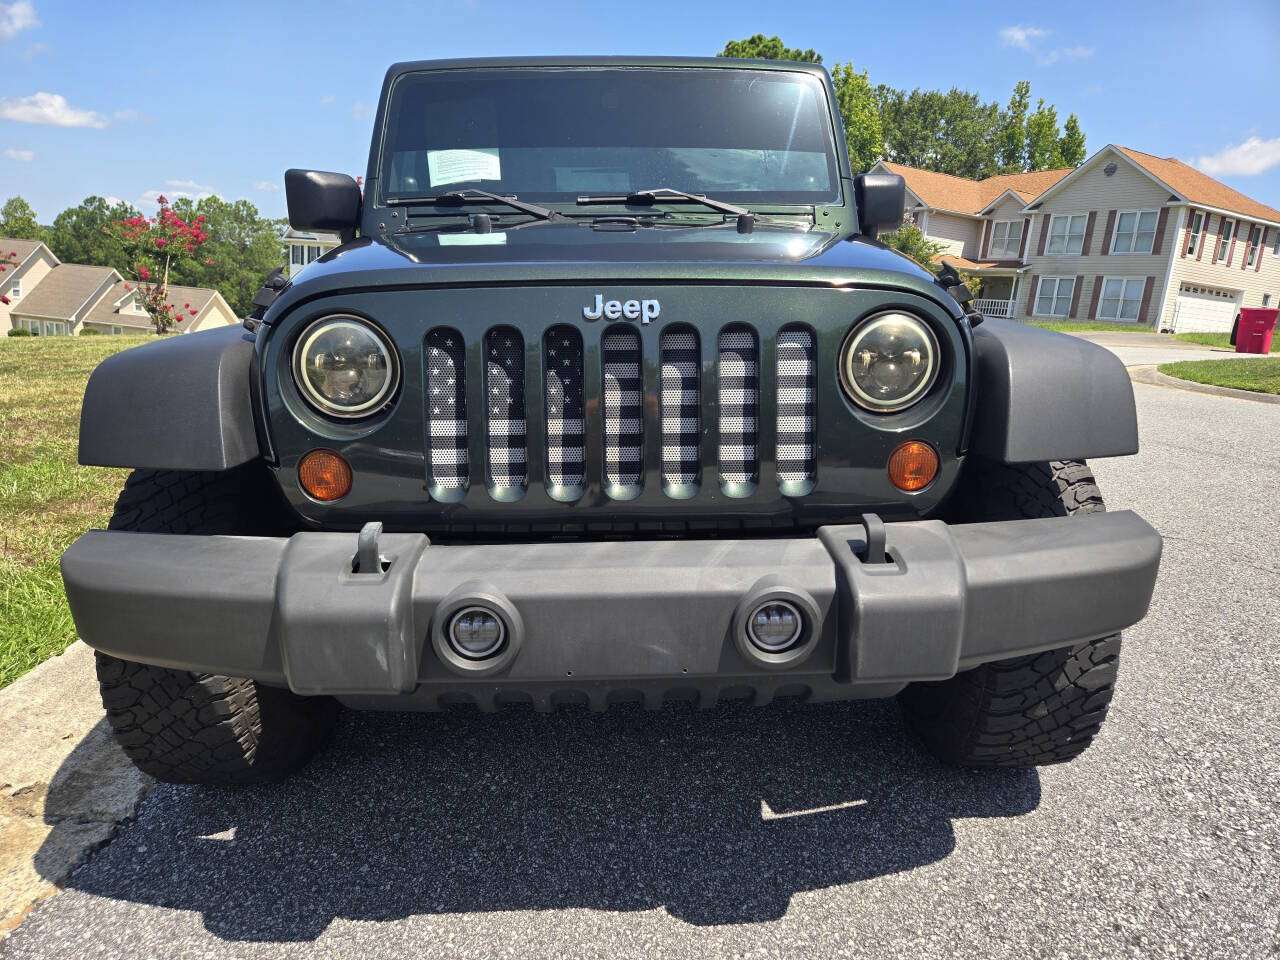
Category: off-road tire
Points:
column 186, row 727
column 1032, row 710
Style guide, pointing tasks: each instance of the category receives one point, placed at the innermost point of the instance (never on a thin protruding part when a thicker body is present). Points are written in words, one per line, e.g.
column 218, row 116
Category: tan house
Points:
column 30, row 263
column 1126, row 237
column 195, row 308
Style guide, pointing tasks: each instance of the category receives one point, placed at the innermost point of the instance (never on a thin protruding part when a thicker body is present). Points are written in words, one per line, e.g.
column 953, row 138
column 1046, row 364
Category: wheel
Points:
column 185, row 727
column 1032, row 710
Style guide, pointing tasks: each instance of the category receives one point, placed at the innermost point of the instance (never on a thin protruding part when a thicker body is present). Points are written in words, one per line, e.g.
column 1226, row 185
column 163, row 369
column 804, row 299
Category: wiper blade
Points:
column 669, row 194
column 458, row 198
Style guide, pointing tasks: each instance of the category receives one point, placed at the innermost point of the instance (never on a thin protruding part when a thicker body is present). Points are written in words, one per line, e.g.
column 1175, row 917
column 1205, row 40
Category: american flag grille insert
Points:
column 797, row 382
column 565, row 409
column 446, row 408
column 504, row 398
column 681, row 436
column 623, row 436
column 739, row 404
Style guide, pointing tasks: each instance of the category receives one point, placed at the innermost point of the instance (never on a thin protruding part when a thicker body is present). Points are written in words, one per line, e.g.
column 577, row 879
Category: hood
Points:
column 560, row 252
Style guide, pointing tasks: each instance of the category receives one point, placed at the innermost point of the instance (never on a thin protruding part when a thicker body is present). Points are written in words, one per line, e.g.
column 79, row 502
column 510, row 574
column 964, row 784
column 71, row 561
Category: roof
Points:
column 962, row 263
column 499, row 63
column 22, row 248
column 182, row 299
column 942, row 191
column 1197, row 187
column 311, row 235
column 64, row 291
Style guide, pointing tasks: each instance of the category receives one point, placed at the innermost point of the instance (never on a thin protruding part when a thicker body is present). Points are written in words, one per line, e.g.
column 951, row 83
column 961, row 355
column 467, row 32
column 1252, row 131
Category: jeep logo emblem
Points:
column 642, row 310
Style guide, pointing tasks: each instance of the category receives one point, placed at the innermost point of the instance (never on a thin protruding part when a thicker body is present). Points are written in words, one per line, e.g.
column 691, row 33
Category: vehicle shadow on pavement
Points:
column 719, row 816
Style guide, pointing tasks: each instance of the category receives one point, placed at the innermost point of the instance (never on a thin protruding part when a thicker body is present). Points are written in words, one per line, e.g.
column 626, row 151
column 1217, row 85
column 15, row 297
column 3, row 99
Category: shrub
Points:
column 19, row 332
column 90, row 332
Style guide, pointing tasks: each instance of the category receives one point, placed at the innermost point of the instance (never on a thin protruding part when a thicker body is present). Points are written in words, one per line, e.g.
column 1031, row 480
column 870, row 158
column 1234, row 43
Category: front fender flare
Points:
column 180, row 404
column 1047, row 396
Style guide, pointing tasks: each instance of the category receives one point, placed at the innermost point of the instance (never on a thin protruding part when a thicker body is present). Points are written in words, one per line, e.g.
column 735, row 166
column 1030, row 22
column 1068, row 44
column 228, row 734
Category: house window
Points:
column 1266, row 299
column 1121, row 298
column 1006, row 236
column 1066, row 234
column 313, row 253
column 1053, row 298
column 1224, row 241
column 1255, row 241
column 1135, row 231
column 297, row 254
column 1197, row 233
column 15, row 291
column 1275, row 245
column 117, row 331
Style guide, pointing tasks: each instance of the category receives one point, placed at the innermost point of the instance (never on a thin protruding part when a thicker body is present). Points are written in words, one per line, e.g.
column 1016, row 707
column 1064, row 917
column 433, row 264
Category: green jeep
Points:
column 609, row 395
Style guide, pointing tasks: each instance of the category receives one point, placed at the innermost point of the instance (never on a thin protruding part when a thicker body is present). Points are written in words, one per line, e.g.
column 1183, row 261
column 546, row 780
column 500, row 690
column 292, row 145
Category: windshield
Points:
column 552, row 135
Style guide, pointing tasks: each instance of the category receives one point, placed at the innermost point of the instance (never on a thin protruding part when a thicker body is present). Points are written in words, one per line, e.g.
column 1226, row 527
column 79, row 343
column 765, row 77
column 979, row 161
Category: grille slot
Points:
column 681, row 417
column 797, row 384
column 446, row 409
column 504, row 399
column 739, row 374
column 565, row 409
column 623, row 433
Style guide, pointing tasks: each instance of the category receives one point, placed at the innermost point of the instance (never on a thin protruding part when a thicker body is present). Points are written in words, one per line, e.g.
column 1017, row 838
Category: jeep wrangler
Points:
column 610, row 394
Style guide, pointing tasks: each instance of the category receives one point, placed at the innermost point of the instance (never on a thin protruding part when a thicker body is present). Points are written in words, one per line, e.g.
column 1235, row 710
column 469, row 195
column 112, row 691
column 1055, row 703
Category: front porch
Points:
column 1000, row 284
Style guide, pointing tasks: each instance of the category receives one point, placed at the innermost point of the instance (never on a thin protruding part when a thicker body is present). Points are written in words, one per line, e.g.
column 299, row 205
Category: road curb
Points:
column 65, row 785
column 1148, row 374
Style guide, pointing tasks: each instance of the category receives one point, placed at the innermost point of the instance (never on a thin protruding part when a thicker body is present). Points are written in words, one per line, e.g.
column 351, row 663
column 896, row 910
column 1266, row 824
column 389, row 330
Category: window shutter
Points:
column 1231, row 250
column 1266, row 236
column 1146, row 299
column 1026, row 232
column 1075, row 296
column 1158, row 244
column 1248, row 245
column 1093, row 300
column 1191, row 217
column 1044, row 234
column 1106, row 234
column 1088, row 232
column 1205, row 240
column 986, row 240
column 1031, row 297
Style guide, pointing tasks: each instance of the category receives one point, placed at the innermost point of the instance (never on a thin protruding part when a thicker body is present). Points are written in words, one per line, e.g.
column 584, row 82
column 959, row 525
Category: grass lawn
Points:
column 46, row 499
column 1220, row 340
column 1260, row 376
column 1088, row 326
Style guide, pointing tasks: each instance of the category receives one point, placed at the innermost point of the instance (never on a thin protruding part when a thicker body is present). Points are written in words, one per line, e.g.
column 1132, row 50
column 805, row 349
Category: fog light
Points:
column 775, row 626
column 476, row 633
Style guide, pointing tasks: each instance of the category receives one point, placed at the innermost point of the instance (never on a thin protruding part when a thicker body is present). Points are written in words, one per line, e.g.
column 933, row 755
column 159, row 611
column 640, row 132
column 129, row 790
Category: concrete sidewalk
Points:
column 1144, row 349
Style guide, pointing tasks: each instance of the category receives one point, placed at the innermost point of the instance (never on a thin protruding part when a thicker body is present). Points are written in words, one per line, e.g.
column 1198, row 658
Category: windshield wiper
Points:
column 458, row 198
column 669, row 195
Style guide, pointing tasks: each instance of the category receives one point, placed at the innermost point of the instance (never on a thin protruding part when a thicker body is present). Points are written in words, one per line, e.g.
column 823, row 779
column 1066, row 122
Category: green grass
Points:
column 46, row 499
column 1219, row 340
column 1088, row 326
column 1260, row 376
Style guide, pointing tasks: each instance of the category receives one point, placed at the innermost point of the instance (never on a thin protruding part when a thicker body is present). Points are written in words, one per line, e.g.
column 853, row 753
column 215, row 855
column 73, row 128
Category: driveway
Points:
column 1142, row 349
column 812, row 832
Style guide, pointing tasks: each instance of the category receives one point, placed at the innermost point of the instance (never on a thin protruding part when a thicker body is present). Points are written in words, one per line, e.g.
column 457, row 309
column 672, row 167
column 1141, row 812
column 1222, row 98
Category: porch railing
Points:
column 994, row 308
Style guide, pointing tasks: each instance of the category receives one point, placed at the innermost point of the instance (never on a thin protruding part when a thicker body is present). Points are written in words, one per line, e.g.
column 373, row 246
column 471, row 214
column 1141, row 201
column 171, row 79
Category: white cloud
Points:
column 151, row 198
column 16, row 17
column 113, row 201
column 33, row 51
column 1064, row 53
column 1246, row 159
column 49, row 108
column 361, row 110
column 26, row 156
column 327, row 100
column 190, row 185
column 268, row 186
column 1024, row 38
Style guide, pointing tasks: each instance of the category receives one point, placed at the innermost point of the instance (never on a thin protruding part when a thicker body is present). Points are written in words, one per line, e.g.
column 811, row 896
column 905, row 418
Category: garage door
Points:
column 1204, row 308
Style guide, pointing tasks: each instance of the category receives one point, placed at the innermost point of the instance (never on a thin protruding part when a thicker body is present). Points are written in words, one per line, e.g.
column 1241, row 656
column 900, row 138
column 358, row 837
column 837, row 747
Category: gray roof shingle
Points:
column 63, row 292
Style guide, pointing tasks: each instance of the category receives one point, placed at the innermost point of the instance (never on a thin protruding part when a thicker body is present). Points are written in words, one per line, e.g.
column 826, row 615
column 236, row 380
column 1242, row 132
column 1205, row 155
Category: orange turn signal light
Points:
column 324, row 475
column 912, row 466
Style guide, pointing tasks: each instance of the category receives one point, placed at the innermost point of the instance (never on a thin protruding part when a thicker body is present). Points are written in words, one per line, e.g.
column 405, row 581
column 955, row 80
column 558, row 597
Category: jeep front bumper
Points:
column 603, row 621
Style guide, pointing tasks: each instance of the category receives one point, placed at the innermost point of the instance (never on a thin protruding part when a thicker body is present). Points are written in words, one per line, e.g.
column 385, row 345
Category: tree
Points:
column 760, row 47
column 857, row 103
column 77, row 234
column 7, row 261
column 909, row 239
column 952, row 132
column 1043, row 149
column 1071, row 144
column 152, row 247
column 243, row 246
column 1011, row 141
column 18, row 220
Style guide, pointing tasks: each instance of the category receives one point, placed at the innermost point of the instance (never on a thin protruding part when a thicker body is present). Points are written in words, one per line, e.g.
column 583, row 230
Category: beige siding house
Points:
column 32, row 262
column 305, row 246
column 196, row 308
column 61, row 301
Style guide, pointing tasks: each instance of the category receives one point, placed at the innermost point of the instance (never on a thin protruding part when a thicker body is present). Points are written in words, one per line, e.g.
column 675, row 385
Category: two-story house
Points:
column 1126, row 237
column 304, row 246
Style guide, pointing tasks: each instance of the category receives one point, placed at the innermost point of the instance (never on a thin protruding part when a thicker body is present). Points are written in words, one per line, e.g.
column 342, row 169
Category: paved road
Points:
column 686, row 835
column 1142, row 349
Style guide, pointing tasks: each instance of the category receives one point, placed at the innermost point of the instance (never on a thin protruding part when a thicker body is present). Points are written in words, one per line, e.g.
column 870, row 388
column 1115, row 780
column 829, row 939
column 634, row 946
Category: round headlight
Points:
column 345, row 367
column 889, row 362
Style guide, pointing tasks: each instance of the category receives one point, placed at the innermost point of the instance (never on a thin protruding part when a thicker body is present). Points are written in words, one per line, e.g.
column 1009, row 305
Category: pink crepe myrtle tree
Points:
column 153, row 245
column 8, row 260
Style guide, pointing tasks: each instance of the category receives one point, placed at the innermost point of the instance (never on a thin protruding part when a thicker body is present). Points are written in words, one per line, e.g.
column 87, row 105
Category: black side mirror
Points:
column 881, row 199
column 322, row 201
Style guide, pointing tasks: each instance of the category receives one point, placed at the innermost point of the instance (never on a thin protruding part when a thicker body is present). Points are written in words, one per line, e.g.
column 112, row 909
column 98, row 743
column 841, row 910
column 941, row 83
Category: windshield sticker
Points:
column 462, row 166
column 471, row 239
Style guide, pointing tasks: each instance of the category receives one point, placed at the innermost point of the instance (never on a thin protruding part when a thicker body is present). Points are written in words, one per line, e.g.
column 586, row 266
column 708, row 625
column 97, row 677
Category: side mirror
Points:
column 881, row 199
column 322, row 201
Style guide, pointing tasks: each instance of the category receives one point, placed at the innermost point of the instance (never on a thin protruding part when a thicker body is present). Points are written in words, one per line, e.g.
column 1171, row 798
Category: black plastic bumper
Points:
column 594, row 621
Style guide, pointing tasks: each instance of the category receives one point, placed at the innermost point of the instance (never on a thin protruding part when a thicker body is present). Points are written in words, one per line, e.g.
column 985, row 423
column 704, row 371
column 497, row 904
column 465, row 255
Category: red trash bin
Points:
column 1256, row 327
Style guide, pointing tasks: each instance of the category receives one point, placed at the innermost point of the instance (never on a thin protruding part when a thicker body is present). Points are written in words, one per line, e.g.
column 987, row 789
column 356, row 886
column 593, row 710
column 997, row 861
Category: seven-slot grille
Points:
column 568, row 405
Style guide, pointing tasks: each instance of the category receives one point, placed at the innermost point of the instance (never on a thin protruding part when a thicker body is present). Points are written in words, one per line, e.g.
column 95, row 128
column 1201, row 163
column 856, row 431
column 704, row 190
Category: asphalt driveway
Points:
column 798, row 831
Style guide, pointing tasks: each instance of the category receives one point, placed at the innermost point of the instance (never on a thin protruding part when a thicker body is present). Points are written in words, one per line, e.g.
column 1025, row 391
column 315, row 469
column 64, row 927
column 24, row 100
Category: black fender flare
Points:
column 1047, row 396
column 183, row 403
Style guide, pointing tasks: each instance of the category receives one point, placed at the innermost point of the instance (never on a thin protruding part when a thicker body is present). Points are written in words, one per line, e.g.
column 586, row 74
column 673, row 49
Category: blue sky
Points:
column 128, row 100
